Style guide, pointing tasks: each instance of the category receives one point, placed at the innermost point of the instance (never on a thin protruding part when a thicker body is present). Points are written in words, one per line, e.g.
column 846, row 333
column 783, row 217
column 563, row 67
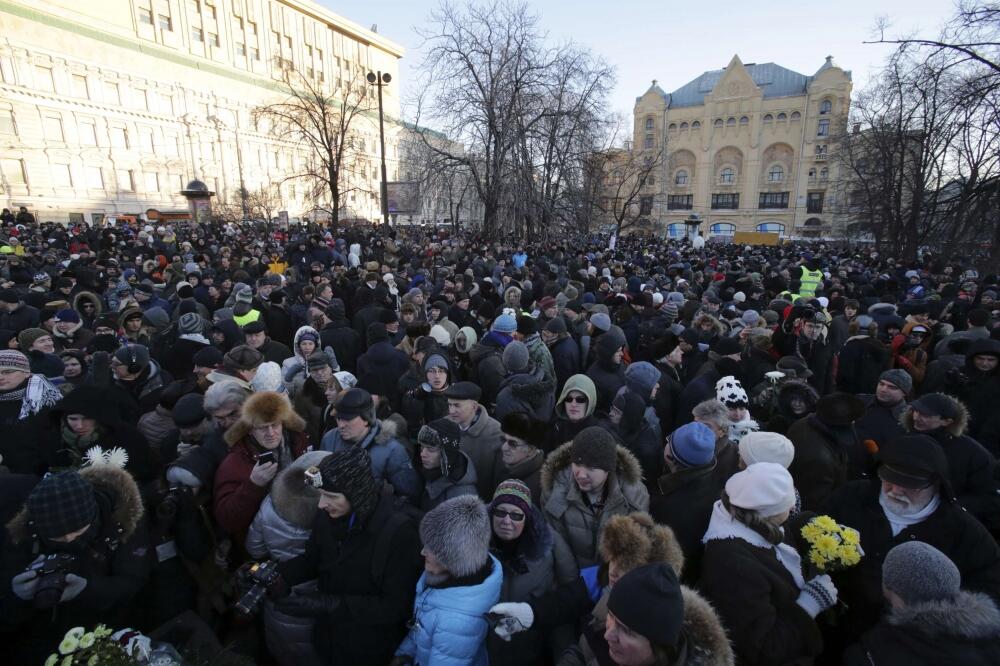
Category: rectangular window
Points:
column 112, row 95
column 146, row 141
column 211, row 12
column 7, row 125
column 165, row 23
column 97, row 219
column 43, row 78
column 288, row 42
column 725, row 201
column 61, row 176
column 53, row 128
column 773, row 200
column 646, row 206
column 241, row 49
column 239, row 24
column 88, row 133
column 254, row 53
column 78, row 85
column 13, row 172
column 125, row 182
column 119, row 137
column 814, row 203
column 197, row 35
column 823, row 128
column 680, row 201
column 95, row 177
column 253, row 27
column 213, row 39
column 145, row 16
column 151, row 182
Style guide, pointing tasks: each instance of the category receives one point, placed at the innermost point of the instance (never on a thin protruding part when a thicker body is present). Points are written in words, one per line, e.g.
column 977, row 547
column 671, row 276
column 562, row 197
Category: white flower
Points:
column 68, row 645
column 75, row 632
column 52, row 660
column 67, row 661
column 87, row 640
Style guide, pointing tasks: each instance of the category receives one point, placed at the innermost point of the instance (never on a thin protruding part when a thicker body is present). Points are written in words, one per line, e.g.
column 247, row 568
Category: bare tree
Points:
column 264, row 202
column 326, row 122
column 626, row 194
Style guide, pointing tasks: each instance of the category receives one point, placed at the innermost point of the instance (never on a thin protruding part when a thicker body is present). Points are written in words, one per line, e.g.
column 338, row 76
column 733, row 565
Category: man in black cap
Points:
column 365, row 555
column 93, row 519
column 910, row 500
column 337, row 334
column 971, row 467
column 880, row 422
column 15, row 315
column 255, row 337
column 140, row 376
column 565, row 351
column 480, row 433
column 238, row 365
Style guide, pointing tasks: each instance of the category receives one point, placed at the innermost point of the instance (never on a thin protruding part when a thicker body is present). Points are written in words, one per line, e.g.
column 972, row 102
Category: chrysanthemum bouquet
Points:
column 99, row 647
column 832, row 547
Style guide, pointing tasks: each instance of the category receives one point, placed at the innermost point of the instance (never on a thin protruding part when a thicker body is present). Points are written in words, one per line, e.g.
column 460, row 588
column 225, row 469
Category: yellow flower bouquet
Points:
column 832, row 546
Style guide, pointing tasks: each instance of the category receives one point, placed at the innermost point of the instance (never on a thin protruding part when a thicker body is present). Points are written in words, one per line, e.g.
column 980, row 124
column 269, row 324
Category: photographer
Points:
column 93, row 520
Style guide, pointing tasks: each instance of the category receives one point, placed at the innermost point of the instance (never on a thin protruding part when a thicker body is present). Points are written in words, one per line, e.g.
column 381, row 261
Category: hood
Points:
column 293, row 499
column 707, row 644
column 87, row 296
column 957, row 428
column 298, row 336
column 92, row 402
column 970, row 616
column 584, row 385
column 114, row 483
column 531, row 386
column 627, row 470
column 884, row 309
column 791, row 388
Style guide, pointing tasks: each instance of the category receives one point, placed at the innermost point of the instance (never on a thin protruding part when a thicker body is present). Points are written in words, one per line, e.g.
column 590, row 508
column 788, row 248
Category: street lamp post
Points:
column 215, row 120
column 379, row 79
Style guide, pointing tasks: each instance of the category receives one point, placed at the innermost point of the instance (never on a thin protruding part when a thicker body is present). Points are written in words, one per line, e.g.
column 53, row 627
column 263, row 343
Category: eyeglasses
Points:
column 580, row 399
column 511, row 442
column 516, row 516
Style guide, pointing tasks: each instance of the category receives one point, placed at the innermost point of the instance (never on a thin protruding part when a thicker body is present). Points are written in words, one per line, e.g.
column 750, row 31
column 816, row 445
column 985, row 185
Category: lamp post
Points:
column 215, row 120
column 379, row 79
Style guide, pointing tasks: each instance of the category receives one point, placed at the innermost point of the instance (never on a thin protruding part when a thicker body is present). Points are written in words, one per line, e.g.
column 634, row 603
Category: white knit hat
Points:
column 758, row 447
column 763, row 487
column 441, row 335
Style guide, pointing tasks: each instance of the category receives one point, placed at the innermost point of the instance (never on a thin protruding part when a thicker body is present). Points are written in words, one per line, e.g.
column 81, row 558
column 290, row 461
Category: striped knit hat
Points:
column 513, row 491
column 14, row 360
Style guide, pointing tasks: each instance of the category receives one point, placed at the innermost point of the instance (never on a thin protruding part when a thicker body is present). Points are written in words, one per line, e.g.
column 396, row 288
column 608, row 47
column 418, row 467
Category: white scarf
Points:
column 195, row 337
column 897, row 522
column 38, row 394
column 724, row 526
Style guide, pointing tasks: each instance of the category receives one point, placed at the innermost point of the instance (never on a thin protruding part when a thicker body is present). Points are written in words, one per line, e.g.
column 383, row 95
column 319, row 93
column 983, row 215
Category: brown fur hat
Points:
column 264, row 407
column 634, row 540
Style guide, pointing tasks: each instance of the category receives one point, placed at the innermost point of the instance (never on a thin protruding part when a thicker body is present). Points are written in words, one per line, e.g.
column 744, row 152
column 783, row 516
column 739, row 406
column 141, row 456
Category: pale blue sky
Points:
column 674, row 42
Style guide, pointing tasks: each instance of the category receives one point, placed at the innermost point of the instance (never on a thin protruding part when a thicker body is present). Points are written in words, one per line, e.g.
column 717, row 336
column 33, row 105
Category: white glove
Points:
column 514, row 618
column 818, row 595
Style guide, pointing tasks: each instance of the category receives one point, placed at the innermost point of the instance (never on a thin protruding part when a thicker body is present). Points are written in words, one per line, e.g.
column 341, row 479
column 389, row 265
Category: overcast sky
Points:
column 674, row 42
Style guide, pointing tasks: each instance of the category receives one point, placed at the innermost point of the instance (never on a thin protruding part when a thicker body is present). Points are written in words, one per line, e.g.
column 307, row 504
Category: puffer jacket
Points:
column 449, row 624
column 391, row 462
column 576, row 525
column 156, row 426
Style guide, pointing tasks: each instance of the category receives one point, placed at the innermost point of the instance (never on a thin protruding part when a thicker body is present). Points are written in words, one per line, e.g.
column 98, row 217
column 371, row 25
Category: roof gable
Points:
column 773, row 80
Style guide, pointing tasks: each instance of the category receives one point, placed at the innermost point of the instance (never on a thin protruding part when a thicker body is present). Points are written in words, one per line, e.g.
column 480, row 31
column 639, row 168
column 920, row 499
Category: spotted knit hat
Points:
column 349, row 472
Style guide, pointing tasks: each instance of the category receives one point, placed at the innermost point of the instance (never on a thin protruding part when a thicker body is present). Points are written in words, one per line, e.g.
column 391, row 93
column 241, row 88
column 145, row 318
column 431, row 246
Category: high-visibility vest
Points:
column 243, row 320
column 810, row 280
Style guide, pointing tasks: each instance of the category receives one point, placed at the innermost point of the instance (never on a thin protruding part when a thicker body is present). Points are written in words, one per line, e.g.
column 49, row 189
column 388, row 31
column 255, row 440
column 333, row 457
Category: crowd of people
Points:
column 286, row 446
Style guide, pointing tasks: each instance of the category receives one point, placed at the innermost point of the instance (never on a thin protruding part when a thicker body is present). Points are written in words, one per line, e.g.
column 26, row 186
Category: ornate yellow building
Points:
column 746, row 148
column 112, row 106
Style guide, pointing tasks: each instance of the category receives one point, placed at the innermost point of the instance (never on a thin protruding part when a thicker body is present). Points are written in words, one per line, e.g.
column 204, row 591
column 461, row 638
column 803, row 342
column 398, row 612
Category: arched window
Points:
column 727, row 176
column 824, row 173
column 649, row 141
column 684, row 127
column 744, row 121
column 731, row 122
column 672, row 127
column 649, row 123
column 718, row 123
column 676, row 230
column 796, row 116
column 825, row 107
column 776, row 174
column 812, row 174
column 771, row 228
column 681, row 177
column 768, row 119
column 782, row 117
column 696, row 125
column 722, row 229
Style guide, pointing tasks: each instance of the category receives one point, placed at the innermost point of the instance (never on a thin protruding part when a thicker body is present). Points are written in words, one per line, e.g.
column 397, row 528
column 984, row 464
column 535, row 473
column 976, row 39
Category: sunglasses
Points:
column 580, row 399
column 516, row 516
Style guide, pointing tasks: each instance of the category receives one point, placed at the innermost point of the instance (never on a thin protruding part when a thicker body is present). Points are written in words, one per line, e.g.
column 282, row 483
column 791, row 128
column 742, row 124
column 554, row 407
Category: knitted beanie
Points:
column 648, row 600
column 641, row 377
column 513, row 491
column 505, row 323
column 595, row 447
column 757, row 447
column 348, row 471
column 457, row 532
column 516, row 357
column 693, row 444
column 190, row 324
column 14, row 360
column 919, row 572
column 901, row 379
column 28, row 336
column 60, row 504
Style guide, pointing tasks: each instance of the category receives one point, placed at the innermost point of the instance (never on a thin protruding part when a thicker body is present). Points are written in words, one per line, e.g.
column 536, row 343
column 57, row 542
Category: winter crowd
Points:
column 392, row 448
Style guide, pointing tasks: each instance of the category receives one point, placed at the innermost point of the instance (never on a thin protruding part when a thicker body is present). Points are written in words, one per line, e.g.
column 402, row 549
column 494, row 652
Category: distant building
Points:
column 747, row 148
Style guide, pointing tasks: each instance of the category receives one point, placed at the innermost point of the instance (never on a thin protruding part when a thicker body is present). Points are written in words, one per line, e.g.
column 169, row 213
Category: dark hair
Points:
column 979, row 317
column 771, row 533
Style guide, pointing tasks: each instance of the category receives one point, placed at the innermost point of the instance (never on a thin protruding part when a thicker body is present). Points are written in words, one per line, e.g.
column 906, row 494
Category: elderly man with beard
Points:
column 911, row 500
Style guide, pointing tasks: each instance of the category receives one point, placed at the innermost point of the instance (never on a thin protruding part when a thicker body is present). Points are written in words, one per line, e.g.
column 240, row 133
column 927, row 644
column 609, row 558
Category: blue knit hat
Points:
column 693, row 445
column 505, row 323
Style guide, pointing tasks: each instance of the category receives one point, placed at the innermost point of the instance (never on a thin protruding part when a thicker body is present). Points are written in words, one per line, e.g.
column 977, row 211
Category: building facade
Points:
column 745, row 148
column 111, row 107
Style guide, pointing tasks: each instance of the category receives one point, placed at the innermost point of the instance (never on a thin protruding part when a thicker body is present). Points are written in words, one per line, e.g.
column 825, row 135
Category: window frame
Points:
column 727, row 175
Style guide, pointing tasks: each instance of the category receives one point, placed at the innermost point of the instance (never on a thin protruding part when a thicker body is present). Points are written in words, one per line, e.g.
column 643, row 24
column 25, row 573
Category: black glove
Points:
column 308, row 605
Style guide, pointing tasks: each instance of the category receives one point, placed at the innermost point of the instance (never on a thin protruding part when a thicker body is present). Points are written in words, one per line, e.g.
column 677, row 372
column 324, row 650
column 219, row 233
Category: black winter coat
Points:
column 683, row 501
column 859, row 364
column 376, row 598
column 386, row 363
column 565, row 359
column 822, row 462
column 345, row 342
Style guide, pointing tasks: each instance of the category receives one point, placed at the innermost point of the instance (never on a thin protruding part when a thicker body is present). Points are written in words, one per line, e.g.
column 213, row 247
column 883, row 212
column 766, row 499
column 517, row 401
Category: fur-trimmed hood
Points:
column 88, row 296
column 957, row 428
column 969, row 616
column 628, row 470
column 791, row 388
column 707, row 644
column 294, row 499
column 264, row 407
column 636, row 540
column 112, row 484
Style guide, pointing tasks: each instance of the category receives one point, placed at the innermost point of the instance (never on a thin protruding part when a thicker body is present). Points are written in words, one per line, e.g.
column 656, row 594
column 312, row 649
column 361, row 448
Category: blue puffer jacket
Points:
column 390, row 461
column 450, row 627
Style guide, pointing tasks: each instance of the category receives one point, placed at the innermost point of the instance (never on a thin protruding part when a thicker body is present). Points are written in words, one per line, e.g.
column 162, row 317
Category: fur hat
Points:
column 457, row 532
column 636, row 539
column 294, row 498
column 265, row 407
column 524, row 426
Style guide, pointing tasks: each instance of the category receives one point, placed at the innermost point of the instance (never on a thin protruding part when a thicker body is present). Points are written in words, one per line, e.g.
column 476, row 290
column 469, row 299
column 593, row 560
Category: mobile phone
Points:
column 266, row 457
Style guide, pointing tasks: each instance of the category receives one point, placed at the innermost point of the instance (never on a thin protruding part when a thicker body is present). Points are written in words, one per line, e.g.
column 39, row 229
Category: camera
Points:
column 171, row 502
column 51, row 572
column 261, row 575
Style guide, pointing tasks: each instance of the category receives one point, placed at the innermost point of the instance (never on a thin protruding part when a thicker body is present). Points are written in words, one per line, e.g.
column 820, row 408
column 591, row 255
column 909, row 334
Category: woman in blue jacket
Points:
column 461, row 581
